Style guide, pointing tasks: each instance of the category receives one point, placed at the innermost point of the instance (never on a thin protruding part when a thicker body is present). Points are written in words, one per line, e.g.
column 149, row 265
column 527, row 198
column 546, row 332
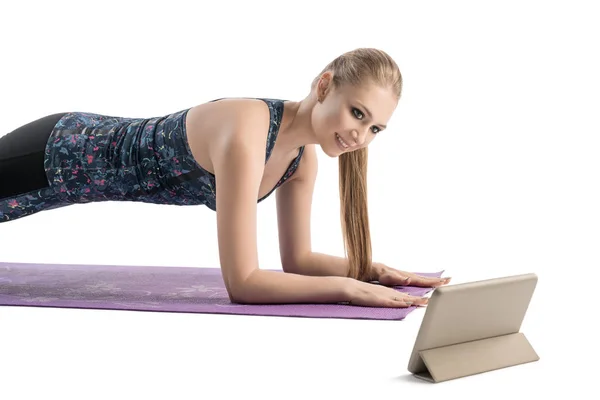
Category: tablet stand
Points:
column 475, row 357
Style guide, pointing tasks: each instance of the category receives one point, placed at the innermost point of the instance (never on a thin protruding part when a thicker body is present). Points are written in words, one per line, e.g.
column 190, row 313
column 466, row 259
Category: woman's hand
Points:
column 373, row 295
column 392, row 277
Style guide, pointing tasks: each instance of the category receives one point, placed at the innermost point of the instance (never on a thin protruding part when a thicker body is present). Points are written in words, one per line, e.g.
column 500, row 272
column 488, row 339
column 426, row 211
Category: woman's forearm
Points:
column 319, row 264
column 273, row 287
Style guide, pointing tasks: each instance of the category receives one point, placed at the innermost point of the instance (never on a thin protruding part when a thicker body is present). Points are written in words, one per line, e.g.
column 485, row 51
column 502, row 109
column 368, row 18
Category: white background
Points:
column 489, row 168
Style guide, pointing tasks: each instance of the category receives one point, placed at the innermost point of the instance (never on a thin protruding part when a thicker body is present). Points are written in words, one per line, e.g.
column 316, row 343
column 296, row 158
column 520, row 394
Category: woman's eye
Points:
column 357, row 113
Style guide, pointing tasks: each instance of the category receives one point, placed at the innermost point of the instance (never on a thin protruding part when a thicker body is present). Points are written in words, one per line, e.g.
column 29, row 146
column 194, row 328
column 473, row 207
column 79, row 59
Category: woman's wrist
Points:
column 377, row 269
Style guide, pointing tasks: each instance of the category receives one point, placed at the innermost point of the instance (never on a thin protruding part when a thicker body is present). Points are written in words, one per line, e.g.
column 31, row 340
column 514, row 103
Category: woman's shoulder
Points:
column 241, row 121
column 229, row 115
column 214, row 127
column 238, row 108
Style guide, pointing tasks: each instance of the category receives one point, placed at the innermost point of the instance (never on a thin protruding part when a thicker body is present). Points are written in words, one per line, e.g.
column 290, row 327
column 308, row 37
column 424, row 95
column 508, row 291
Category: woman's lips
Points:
column 341, row 142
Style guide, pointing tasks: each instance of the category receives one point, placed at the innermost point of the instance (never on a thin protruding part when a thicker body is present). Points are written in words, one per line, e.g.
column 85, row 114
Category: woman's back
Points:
column 163, row 160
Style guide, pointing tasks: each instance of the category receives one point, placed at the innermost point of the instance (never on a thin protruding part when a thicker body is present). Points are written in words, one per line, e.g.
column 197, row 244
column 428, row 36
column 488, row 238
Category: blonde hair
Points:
column 356, row 67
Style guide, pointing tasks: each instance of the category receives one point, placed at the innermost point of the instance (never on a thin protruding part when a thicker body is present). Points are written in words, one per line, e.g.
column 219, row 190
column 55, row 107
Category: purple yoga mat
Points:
column 167, row 289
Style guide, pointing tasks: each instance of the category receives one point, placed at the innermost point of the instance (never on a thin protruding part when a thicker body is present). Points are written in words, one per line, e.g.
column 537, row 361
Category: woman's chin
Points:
column 332, row 153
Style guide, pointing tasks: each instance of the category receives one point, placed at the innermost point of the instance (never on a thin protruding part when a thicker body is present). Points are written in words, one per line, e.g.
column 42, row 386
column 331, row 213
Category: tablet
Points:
column 473, row 327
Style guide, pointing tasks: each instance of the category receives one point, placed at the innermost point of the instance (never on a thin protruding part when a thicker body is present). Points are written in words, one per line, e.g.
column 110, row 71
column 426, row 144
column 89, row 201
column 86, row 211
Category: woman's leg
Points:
column 24, row 188
column 22, row 157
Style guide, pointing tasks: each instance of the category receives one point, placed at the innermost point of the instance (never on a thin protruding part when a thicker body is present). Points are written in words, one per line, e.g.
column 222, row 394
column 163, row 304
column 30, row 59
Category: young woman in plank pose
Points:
column 214, row 154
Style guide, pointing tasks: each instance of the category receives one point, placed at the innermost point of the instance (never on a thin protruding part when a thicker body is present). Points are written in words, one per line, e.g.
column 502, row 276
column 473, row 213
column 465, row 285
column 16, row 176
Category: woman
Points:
column 71, row 158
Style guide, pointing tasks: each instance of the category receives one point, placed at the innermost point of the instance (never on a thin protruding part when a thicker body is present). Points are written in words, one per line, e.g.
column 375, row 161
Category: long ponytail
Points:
column 355, row 67
column 354, row 212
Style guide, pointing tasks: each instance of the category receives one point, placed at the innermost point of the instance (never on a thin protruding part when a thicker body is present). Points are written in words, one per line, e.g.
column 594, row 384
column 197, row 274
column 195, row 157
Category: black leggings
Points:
column 22, row 156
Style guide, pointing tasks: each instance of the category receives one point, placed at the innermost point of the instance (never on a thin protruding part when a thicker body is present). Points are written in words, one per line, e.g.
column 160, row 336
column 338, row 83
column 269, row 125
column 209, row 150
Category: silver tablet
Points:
column 473, row 327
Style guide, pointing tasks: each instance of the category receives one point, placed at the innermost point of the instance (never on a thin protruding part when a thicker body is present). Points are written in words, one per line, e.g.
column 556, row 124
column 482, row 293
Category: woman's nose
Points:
column 359, row 138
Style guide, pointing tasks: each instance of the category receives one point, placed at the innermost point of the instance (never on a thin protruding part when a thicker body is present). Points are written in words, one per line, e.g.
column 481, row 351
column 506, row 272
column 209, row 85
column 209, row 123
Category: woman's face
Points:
column 350, row 117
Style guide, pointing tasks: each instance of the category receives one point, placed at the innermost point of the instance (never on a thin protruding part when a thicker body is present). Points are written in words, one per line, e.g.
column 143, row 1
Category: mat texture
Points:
column 167, row 289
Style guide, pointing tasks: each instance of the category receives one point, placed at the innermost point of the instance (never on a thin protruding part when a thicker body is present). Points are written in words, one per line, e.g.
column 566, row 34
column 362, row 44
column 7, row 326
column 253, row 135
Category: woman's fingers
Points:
column 407, row 298
column 425, row 281
column 394, row 277
column 369, row 294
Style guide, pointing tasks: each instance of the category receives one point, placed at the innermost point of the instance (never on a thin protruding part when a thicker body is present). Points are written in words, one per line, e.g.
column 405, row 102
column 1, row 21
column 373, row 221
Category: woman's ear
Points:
column 323, row 86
